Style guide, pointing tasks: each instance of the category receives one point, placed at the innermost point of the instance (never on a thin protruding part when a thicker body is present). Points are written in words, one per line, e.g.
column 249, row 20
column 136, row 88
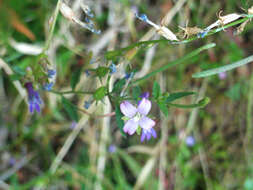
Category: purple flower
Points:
column 87, row 104
column 48, row 86
column 73, row 125
column 87, row 72
column 137, row 117
column 34, row 100
column 12, row 161
column 112, row 148
column 129, row 75
column 190, row 141
column 51, row 73
column 222, row 75
column 112, row 68
column 146, row 134
column 145, row 95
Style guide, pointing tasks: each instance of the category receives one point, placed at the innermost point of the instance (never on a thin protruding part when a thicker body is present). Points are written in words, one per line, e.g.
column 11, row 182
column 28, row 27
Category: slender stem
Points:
column 211, row 32
column 173, row 63
column 70, row 92
column 51, row 32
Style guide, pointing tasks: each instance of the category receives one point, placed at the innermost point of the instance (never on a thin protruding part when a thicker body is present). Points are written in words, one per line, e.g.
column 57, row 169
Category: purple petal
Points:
column 128, row 109
column 37, row 107
column 130, row 127
column 31, row 107
column 143, row 135
column 144, row 106
column 148, row 135
column 145, row 95
column 146, row 123
column 153, row 133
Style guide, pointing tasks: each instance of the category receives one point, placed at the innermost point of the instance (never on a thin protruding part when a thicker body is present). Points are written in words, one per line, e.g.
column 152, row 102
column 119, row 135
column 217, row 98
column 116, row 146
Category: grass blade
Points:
column 176, row 62
column 225, row 68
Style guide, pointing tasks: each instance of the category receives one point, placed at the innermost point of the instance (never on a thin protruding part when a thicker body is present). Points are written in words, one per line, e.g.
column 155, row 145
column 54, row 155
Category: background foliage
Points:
column 77, row 142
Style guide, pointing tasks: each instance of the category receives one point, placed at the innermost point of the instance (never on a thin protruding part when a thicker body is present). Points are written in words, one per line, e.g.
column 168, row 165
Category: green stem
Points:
column 70, row 92
column 249, row 110
column 51, row 32
column 211, row 32
column 178, row 61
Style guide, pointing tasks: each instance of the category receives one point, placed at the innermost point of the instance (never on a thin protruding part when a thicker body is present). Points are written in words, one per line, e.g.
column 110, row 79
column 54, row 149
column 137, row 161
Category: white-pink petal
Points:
column 130, row 127
column 144, row 106
column 146, row 123
column 128, row 109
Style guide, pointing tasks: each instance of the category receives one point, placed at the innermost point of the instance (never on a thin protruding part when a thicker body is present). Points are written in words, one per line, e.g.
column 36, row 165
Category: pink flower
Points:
column 137, row 117
column 222, row 75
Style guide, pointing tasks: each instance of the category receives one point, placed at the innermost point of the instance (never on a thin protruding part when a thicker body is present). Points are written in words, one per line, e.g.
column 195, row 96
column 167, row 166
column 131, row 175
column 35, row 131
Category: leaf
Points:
column 176, row 62
column 234, row 92
column 119, row 121
column 136, row 92
column 15, row 77
column 131, row 163
column 70, row 109
column 202, row 103
column 163, row 107
column 225, row 68
column 110, row 55
column 119, row 85
column 156, row 91
column 102, row 71
column 75, row 78
column 178, row 95
column 100, row 93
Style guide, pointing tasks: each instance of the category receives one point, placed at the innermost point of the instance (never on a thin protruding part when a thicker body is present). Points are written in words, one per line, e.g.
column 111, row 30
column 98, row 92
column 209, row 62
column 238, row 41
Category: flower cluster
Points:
column 50, row 73
column 34, row 100
column 136, row 119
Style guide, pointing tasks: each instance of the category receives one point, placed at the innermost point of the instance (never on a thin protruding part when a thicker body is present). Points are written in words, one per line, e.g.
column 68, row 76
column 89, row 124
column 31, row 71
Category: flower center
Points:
column 137, row 117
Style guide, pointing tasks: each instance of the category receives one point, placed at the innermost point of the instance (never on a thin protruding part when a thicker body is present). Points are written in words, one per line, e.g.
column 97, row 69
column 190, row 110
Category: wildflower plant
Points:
column 104, row 83
column 131, row 118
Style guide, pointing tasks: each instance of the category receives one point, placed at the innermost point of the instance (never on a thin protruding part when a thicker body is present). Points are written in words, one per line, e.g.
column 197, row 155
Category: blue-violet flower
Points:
column 190, row 141
column 51, row 73
column 34, row 100
column 137, row 117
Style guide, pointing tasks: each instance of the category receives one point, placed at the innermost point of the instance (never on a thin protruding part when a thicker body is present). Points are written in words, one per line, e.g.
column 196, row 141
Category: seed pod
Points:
column 228, row 18
column 240, row 28
column 165, row 32
column 250, row 10
column 66, row 11
column 190, row 31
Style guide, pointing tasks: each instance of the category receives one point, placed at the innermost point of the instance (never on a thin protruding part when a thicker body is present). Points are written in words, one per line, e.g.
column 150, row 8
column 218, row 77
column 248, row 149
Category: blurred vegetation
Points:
column 101, row 157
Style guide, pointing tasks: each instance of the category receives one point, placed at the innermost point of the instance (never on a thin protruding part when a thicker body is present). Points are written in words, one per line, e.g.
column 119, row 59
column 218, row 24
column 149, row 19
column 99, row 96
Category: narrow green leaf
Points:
column 119, row 85
column 119, row 121
column 70, row 109
column 235, row 92
column 15, row 77
column 178, row 61
column 156, row 91
column 136, row 92
column 202, row 103
column 116, row 53
column 178, row 95
column 75, row 78
column 132, row 164
column 223, row 68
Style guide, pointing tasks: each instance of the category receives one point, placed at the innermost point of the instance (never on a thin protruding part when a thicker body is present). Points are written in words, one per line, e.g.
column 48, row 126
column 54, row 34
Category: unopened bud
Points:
column 66, row 11
column 165, row 32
